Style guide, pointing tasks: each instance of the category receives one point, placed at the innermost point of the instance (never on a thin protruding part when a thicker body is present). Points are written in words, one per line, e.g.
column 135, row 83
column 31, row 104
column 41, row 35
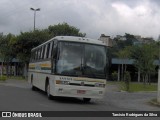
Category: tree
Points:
column 144, row 56
column 64, row 30
column 124, row 55
column 26, row 41
column 6, row 50
column 127, row 79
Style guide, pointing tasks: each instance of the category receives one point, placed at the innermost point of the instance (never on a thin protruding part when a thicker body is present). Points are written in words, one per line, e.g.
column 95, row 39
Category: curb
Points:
column 137, row 91
column 155, row 103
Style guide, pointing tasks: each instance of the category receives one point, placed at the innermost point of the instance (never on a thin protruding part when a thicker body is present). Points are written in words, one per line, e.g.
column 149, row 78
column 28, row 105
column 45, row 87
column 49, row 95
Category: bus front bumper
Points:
column 79, row 91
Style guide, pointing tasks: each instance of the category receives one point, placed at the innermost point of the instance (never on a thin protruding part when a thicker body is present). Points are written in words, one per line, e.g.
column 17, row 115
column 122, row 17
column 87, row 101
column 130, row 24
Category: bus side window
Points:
column 43, row 51
column 39, row 53
column 35, row 57
column 54, row 49
column 50, row 50
column 47, row 52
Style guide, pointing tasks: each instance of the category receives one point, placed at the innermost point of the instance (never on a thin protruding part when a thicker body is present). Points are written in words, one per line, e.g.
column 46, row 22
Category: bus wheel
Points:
column 48, row 92
column 86, row 99
column 33, row 87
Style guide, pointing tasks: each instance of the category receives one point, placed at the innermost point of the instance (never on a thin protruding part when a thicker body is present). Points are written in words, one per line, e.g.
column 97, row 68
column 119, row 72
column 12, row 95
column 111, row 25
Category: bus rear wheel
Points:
column 33, row 87
column 86, row 99
column 50, row 97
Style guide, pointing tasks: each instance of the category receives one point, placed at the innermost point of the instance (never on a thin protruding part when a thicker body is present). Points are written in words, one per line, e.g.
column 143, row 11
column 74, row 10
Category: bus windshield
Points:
column 80, row 59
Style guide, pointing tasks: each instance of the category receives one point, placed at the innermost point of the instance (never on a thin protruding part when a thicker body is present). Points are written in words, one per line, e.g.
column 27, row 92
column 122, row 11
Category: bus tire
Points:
column 86, row 100
column 33, row 87
column 50, row 97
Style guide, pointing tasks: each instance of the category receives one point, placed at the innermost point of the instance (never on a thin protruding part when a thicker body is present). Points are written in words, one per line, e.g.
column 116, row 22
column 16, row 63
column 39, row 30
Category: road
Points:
column 17, row 96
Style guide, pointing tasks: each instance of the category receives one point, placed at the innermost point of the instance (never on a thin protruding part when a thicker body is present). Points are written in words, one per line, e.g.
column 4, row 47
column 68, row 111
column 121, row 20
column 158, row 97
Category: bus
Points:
column 69, row 66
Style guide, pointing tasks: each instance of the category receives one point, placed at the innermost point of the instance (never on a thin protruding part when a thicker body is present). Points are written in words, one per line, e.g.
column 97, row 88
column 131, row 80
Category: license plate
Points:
column 81, row 91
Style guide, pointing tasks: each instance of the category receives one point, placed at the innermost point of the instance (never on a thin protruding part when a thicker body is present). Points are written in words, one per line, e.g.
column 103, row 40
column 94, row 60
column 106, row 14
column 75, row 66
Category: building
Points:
column 14, row 67
column 106, row 39
column 122, row 38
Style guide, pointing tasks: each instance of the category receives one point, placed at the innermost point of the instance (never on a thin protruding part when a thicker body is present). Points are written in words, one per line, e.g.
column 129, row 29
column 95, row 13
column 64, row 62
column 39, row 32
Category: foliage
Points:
column 130, row 39
column 114, row 76
column 122, row 44
column 26, row 41
column 124, row 55
column 144, row 56
column 6, row 50
column 64, row 30
column 3, row 78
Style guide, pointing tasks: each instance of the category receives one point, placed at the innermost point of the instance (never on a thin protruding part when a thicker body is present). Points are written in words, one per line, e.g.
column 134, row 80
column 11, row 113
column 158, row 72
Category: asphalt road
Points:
column 17, row 96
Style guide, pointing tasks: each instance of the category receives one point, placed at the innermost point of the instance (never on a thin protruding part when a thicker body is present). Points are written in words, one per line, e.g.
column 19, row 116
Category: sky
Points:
column 93, row 17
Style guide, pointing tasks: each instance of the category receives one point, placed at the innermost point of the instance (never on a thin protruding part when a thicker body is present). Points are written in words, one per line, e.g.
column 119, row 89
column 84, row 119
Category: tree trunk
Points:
column 125, row 68
column 122, row 73
column 149, row 78
column 25, row 70
column 7, row 69
column 143, row 78
column 2, row 69
column 118, row 72
column 15, row 70
column 139, row 75
column 10, row 69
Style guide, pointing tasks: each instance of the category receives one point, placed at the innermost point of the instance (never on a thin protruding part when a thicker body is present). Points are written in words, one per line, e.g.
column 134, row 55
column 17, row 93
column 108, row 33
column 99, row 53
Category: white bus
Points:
column 69, row 66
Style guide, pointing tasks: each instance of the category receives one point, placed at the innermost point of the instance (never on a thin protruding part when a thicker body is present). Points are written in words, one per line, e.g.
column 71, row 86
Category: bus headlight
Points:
column 62, row 82
column 99, row 85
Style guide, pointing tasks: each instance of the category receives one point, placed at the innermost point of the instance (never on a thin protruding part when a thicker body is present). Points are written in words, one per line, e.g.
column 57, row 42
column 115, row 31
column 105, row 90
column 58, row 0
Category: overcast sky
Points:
column 93, row 17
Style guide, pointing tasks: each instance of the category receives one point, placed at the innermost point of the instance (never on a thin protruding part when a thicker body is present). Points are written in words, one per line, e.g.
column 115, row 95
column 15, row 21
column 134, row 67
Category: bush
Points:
column 114, row 76
column 3, row 78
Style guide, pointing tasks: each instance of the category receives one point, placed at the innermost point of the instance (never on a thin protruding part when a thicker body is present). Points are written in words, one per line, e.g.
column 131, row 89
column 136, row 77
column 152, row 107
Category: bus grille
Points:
column 78, row 84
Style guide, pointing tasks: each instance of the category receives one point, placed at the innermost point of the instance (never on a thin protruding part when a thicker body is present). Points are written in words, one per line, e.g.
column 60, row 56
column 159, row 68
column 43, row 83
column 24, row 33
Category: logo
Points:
column 6, row 114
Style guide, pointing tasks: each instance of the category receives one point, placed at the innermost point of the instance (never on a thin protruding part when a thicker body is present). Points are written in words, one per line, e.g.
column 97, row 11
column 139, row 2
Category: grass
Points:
column 3, row 78
column 16, row 77
column 113, row 82
column 135, row 87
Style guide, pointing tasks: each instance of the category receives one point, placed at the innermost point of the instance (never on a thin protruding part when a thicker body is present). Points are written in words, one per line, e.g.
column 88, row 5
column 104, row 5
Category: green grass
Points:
column 113, row 82
column 16, row 77
column 137, row 87
column 134, row 87
column 3, row 78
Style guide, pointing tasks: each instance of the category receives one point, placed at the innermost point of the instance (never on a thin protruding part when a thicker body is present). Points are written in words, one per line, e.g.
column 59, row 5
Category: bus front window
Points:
column 79, row 59
column 70, row 59
column 95, row 61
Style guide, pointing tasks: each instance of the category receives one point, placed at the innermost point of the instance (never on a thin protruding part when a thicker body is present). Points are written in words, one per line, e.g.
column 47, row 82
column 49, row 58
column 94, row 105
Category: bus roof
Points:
column 74, row 39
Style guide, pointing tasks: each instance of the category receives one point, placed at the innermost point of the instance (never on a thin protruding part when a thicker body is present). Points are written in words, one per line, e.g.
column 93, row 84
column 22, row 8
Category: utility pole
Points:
column 38, row 9
column 158, row 92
